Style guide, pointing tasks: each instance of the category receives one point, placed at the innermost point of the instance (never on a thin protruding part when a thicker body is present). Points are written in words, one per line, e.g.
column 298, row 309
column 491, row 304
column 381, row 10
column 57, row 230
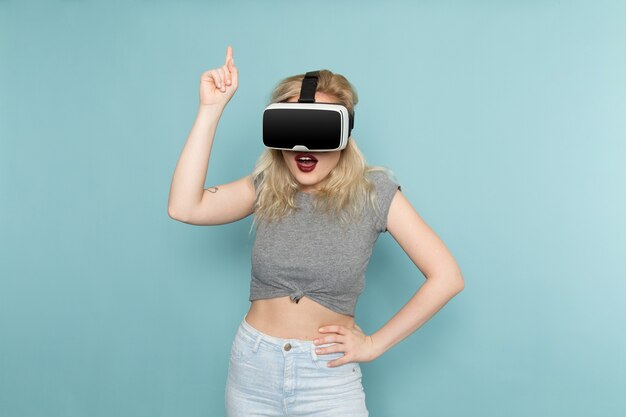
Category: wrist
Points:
column 211, row 109
column 376, row 350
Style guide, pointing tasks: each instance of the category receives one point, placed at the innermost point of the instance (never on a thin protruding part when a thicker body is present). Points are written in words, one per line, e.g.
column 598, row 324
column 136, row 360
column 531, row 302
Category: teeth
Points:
column 306, row 158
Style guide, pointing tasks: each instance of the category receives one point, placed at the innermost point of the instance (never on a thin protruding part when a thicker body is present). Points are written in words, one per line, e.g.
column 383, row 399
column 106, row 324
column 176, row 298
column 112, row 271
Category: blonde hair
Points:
column 346, row 188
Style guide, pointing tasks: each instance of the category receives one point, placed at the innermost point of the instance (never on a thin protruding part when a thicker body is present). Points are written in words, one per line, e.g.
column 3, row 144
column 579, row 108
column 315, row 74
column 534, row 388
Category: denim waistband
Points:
column 278, row 343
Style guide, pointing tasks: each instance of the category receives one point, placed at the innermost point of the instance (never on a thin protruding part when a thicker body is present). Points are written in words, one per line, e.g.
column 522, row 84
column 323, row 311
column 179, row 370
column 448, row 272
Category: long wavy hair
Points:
column 346, row 189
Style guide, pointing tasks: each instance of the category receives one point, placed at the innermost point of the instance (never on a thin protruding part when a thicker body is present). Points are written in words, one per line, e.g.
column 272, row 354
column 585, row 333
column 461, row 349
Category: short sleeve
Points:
column 256, row 181
column 385, row 191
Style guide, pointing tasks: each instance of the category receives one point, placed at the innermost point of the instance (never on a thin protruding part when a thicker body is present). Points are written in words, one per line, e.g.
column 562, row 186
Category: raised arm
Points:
column 217, row 86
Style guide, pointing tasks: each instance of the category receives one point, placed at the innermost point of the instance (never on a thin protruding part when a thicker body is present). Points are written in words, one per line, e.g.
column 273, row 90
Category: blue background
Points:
column 504, row 122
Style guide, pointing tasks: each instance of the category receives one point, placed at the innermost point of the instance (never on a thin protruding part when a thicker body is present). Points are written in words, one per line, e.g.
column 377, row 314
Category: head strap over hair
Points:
column 309, row 85
column 307, row 92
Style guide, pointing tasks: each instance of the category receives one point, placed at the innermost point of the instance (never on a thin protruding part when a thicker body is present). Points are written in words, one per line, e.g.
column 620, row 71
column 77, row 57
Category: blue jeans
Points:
column 270, row 376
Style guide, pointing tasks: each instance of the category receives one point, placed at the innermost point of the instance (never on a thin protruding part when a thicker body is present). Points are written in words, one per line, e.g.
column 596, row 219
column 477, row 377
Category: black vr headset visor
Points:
column 307, row 125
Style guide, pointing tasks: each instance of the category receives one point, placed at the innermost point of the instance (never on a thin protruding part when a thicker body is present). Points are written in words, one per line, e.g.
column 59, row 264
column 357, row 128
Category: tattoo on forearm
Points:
column 212, row 189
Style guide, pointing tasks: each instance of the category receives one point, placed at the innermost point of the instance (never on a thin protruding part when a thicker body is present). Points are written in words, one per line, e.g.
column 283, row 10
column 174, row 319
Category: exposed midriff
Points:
column 282, row 317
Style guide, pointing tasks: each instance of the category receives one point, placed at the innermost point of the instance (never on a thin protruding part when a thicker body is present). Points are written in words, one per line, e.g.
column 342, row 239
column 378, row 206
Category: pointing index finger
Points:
column 229, row 54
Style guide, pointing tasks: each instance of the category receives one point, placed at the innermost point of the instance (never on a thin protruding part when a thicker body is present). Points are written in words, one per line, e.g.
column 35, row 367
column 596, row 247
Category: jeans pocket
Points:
column 242, row 349
column 349, row 368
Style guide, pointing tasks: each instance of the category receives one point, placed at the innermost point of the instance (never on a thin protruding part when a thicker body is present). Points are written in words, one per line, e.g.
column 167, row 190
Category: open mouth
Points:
column 305, row 161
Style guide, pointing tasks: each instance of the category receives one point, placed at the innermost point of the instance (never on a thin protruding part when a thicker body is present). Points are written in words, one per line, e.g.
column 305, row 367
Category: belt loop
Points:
column 257, row 342
column 313, row 354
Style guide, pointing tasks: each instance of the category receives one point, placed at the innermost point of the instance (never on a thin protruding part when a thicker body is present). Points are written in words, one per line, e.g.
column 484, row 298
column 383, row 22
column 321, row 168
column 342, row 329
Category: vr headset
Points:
column 307, row 125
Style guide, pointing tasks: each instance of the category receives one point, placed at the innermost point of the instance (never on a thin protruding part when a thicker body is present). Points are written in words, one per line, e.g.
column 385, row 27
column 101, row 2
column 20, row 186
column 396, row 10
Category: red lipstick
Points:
column 307, row 164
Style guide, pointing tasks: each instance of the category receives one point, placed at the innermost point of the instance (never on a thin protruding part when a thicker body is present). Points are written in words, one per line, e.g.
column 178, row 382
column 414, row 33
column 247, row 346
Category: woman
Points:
column 297, row 350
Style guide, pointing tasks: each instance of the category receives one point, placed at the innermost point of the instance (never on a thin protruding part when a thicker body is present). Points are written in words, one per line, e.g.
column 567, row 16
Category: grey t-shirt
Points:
column 309, row 254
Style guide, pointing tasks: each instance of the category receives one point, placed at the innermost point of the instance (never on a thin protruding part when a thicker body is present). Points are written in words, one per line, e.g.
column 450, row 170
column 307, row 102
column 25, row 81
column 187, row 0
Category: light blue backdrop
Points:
column 504, row 122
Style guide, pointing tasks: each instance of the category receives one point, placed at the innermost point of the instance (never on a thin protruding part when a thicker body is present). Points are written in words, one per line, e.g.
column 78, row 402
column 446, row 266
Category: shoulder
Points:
column 383, row 179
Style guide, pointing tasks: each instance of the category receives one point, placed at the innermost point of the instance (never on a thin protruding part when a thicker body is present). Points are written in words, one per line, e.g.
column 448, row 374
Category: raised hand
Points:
column 217, row 86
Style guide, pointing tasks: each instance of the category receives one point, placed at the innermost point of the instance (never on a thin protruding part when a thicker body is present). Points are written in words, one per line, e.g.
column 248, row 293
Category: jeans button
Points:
column 287, row 346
